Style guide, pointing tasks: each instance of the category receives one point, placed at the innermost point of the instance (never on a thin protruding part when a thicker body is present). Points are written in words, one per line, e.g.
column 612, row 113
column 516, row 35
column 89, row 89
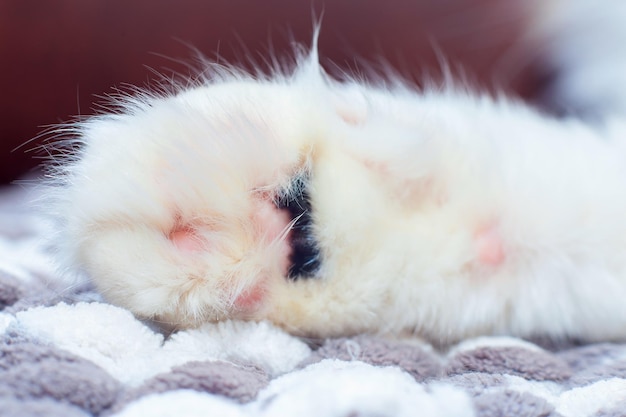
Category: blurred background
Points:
column 59, row 57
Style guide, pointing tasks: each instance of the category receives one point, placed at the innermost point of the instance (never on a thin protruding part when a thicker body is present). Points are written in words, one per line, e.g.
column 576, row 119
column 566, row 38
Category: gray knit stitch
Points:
column 415, row 360
column 239, row 382
column 30, row 371
column 529, row 364
column 511, row 403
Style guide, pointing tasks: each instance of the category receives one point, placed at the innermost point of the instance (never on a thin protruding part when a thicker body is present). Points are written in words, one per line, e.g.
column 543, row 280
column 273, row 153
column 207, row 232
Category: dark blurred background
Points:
column 57, row 56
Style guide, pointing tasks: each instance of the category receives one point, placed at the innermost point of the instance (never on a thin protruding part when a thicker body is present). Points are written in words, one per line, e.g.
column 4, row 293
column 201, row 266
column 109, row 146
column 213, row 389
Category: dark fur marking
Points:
column 305, row 256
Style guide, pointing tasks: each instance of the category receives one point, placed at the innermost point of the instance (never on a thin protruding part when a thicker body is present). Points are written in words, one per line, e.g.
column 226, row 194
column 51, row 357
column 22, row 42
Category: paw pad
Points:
column 186, row 239
column 489, row 247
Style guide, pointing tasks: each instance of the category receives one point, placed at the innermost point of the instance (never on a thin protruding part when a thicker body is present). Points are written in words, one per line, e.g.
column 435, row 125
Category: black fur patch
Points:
column 305, row 256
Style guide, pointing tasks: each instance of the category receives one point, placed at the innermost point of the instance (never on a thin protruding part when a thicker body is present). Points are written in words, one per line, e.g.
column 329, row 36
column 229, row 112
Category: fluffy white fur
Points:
column 441, row 213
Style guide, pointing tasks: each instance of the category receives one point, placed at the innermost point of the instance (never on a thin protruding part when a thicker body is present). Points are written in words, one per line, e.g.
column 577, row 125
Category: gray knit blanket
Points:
column 65, row 352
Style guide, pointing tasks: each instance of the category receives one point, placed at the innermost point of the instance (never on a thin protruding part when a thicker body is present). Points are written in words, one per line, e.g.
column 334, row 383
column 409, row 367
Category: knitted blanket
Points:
column 66, row 352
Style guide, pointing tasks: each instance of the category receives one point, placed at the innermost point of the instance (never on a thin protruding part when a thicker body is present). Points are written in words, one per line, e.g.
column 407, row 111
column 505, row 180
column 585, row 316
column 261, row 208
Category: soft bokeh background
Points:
column 57, row 56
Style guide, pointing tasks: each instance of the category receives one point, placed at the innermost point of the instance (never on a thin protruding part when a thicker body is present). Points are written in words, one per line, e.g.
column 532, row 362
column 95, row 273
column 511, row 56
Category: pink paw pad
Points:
column 251, row 297
column 489, row 247
column 186, row 239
